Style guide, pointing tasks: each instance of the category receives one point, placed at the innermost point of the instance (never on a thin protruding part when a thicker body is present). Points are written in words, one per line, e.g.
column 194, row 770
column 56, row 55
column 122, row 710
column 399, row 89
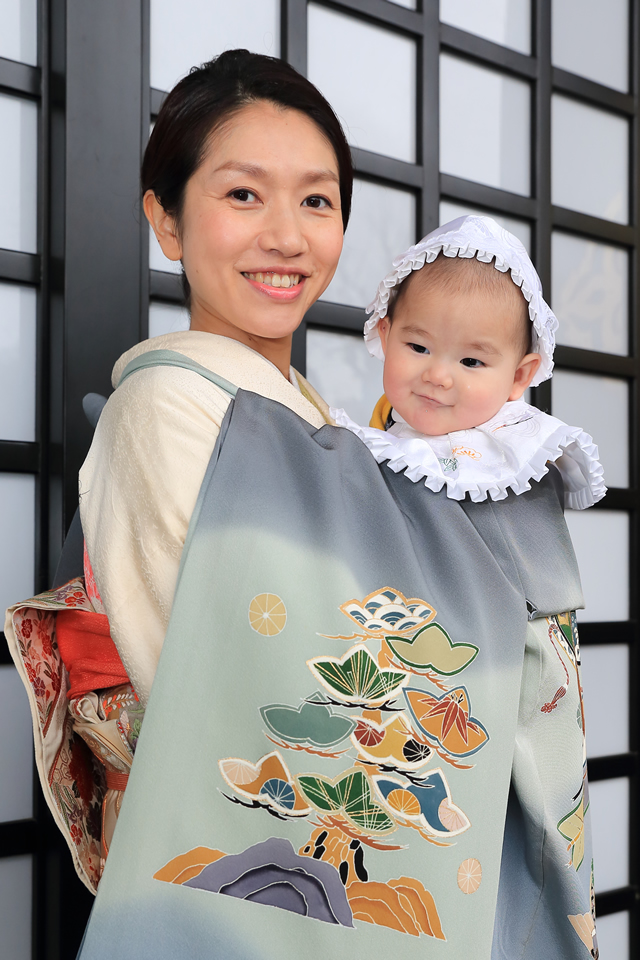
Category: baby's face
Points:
column 452, row 359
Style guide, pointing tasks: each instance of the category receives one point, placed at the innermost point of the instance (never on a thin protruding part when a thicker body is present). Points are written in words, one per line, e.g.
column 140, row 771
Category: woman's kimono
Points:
column 365, row 733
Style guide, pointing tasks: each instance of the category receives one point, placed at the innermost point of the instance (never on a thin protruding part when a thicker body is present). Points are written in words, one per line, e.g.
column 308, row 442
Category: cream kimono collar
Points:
column 505, row 453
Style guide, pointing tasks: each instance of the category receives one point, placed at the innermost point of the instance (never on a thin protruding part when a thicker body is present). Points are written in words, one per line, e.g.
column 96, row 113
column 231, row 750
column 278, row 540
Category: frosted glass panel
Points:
column 591, row 38
column 16, row 748
column 342, row 371
column 15, row 907
column 189, row 33
column 519, row 228
column 17, row 506
column 590, row 287
column 19, row 30
column 17, row 362
column 589, row 160
column 368, row 75
column 601, row 542
column 167, row 318
column 484, row 125
column 410, row 4
column 504, row 21
column 157, row 259
column 610, row 825
column 600, row 406
column 605, row 679
column 18, row 173
column 613, row 936
column 382, row 225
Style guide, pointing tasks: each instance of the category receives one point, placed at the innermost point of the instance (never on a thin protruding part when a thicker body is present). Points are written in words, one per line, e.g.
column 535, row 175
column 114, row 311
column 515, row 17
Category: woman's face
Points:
column 261, row 229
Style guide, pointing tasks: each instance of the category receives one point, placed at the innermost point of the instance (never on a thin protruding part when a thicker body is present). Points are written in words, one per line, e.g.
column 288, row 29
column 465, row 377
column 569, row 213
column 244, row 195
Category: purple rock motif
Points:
column 272, row 873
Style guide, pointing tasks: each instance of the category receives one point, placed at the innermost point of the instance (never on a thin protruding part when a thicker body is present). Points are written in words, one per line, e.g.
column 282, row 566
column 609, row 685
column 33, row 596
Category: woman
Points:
column 309, row 741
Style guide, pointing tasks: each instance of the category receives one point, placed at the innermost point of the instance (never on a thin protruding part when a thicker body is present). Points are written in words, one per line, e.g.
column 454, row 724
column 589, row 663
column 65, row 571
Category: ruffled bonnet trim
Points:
column 469, row 237
column 569, row 448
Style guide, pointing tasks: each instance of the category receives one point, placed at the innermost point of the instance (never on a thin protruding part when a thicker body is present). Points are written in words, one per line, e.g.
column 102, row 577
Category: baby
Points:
column 464, row 331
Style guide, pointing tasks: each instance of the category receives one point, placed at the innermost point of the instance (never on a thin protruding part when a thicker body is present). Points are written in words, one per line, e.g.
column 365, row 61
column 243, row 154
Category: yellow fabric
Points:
column 380, row 413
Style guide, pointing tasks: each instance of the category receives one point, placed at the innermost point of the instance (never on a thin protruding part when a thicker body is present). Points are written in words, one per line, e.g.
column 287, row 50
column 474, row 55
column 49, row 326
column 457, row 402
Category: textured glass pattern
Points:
column 157, row 259
column 600, row 405
column 16, row 748
column 610, row 824
column 15, row 907
column 19, row 30
column 589, row 160
column 507, row 22
column 382, row 225
column 590, row 289
column 189, row 33
column 591, row 38
column 17, row 526
column 18, row 173
column 366, row 73
column 485, row 122
column 519, row 228
column 605, row 679
column 601, row 542
column 342, row 371
column 17, row 362
column 613, row 936
column 167, row 318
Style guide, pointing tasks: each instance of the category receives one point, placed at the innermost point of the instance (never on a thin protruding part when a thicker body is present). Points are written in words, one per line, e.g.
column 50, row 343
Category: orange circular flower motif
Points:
column 404, row 802
column 267, row 614
column 469, row 875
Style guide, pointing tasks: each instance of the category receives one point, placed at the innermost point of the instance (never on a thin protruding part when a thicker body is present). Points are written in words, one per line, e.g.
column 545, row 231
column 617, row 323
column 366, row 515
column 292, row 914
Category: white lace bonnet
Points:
column 468, row 237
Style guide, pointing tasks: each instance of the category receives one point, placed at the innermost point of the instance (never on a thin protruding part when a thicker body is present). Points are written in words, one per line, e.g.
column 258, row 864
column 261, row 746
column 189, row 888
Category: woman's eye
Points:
column 316, row 203
column 244, row 196
column 418, row 348
column 472, row 362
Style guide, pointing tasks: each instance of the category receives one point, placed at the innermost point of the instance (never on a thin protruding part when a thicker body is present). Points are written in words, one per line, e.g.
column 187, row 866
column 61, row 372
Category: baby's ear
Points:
column 384, row 326
column 525, row 372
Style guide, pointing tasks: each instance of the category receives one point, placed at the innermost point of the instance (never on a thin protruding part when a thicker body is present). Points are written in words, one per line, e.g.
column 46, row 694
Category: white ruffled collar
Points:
column 505, row 453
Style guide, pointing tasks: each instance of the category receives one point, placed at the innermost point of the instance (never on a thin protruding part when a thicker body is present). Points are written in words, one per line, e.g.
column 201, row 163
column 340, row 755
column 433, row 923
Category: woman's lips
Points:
column 277, row 286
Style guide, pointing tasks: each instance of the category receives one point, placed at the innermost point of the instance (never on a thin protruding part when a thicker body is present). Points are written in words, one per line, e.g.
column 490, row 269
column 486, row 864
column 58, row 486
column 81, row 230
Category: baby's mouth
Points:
column 275, row 279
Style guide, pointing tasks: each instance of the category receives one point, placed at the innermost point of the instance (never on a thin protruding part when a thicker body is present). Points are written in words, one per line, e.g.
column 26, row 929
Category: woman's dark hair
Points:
column 207, row 97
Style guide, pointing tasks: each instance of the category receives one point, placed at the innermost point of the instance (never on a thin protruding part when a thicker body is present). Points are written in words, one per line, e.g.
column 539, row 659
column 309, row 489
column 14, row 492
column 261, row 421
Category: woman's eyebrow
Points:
column 323, row 175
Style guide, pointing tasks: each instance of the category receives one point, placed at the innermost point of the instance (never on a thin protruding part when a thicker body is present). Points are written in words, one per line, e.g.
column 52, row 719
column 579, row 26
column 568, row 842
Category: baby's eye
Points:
column 472, row 362
column 418, row 348
column 244, row 196
column 316, row 203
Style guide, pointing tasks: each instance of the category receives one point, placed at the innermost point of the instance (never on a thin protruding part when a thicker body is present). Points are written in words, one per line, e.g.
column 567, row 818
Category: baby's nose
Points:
column 438, row 373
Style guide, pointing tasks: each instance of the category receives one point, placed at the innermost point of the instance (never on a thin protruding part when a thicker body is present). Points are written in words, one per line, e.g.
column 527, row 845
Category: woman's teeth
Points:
column 275, row 279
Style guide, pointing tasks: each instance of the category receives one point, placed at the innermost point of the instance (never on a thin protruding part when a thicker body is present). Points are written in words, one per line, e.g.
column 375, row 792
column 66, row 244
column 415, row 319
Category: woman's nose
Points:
column 283, row 234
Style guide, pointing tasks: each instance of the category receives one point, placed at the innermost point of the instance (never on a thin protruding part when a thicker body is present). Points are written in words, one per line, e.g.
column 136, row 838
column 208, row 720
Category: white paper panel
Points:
column 600, row 405
column 17, row 526
column 167, row 318
column 342, row 371
column 589, row 160
column 368, row 75
column 610, row 823
column 19, row 30
column 484, row 125
column 15, row 907
column 519, row 228
column 605, row 679
column 157, row 259
column 18, row 173
column 17, row 362
column 590, row 289
column 191, row 32
column 382, row 225
column 613, row 936
column 504, row 21
column 601, row 541
column 16, row 748
column 591, row 38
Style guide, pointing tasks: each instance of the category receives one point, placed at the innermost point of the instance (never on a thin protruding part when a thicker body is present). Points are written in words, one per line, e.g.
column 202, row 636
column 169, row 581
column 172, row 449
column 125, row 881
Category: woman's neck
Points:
column 276, row 351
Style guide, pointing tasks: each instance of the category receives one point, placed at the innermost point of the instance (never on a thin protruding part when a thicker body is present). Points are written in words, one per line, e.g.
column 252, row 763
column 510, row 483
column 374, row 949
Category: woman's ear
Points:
column 163, row 226
column 525, row 372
